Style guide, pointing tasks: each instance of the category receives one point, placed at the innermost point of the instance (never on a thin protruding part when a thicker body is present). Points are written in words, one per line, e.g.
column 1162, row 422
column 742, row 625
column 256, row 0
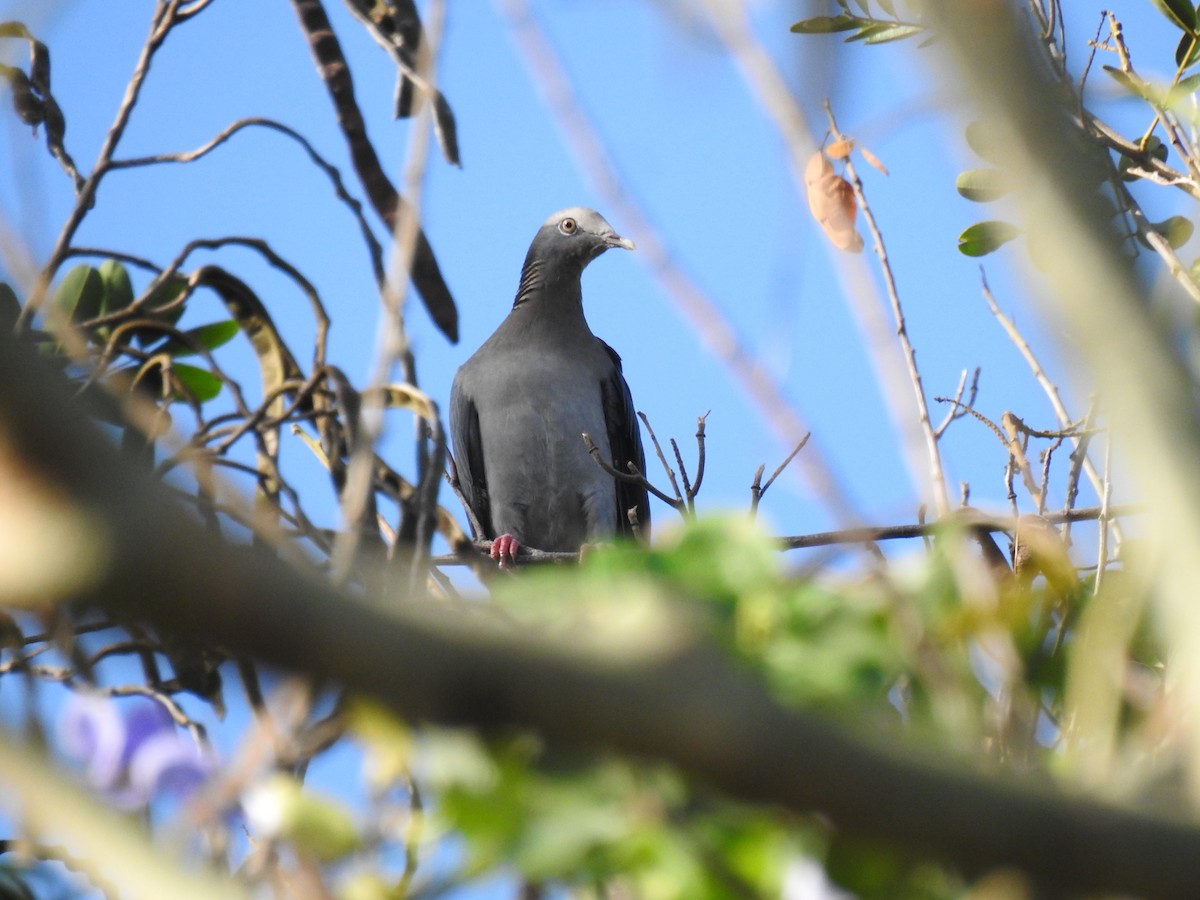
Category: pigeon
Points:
column 520, row 405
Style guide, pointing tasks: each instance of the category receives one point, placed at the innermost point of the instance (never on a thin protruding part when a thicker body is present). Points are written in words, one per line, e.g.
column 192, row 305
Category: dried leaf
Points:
column 839, row 149
column 29, row 107
column 831, row 201
column 446, row 129
column 873, row 160
column 403, row 396
column 39, row 66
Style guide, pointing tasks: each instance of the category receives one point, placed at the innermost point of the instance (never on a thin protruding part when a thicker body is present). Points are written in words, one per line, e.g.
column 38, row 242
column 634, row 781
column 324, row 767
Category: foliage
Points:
column 1035, row 661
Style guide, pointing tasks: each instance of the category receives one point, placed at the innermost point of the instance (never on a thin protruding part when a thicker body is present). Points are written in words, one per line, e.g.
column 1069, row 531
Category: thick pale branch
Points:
column 676, row 699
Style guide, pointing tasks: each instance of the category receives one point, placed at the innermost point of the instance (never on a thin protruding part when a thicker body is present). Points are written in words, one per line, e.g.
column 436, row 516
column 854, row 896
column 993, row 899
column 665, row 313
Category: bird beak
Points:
column 615, row 240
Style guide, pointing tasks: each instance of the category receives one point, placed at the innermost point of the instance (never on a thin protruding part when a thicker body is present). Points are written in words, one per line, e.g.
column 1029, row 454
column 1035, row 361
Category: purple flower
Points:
column 132, row 754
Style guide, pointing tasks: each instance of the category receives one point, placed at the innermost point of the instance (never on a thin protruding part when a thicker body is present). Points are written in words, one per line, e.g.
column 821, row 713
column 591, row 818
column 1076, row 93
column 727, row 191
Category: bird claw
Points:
column 504, row 549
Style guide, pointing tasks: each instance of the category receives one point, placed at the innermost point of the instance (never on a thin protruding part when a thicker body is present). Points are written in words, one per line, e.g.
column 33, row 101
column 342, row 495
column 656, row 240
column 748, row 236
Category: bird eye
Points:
column 567, row 226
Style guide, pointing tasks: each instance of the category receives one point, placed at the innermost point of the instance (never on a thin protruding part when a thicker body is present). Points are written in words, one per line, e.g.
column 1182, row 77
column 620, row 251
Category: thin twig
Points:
column 758, row 490
column 1048, row 387
column 633, row 476
column 700, row 425
column 662, row 458
column 937, row 475
column 921, row 529
column 957, row 411
column 163, row 19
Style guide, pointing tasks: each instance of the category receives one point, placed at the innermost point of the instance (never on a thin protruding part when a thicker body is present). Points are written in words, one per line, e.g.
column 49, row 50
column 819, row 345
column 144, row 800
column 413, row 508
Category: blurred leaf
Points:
column 201, row 383
column 873, row 871
column 868, row 29
column 1176, row 230
column 281, row 808
column 839, row 149
column 80, row 294
column 983, row 238
column 982, row 185
column 1155, row 147
column 366, row 886
column 1133, row 84
column 888, row 6
column 873, row 160
column 1183, row 90
column 981, row 138
column 118, row 290
column 893, row 33
column 210, row 337
column 164, row 294
column 827, row 24
column 719, row 557
column 387, row 741
column 15, row 29
column 1180, row 12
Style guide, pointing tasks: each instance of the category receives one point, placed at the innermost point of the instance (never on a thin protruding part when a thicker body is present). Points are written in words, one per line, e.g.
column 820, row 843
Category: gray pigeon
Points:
column 518, row 408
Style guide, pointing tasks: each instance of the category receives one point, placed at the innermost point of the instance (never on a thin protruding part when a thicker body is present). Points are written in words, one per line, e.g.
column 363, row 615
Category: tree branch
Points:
column 673, row 695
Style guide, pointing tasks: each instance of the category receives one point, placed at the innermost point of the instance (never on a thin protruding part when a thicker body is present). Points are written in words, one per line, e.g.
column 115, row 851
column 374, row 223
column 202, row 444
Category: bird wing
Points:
column 468, row 456
column 625, row 441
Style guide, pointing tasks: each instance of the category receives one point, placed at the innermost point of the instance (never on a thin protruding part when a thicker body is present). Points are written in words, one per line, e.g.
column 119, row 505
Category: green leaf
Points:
column 982, row 185
column 1180, row 12
column 869, row 30
column 118, row 290
column 202, row 384
column 895, row 32
column 1155, row 147
column 1187, row 52
column 1133, row 84
column 827, row 24
column 983, row 238
column 15, row 29
column 10, row 307
column 210, row 337
column 1177, row 230
column 1182, row 90
column 981, row 137
column 164, row 294
column 80, row 294
column 888, row 6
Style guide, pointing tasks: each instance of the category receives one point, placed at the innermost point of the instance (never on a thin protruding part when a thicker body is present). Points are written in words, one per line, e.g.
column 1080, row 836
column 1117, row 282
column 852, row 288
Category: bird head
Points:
column 574, row 237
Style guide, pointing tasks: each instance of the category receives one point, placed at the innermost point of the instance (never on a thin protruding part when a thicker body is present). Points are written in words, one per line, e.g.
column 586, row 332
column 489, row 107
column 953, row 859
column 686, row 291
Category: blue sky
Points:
column 692, row 146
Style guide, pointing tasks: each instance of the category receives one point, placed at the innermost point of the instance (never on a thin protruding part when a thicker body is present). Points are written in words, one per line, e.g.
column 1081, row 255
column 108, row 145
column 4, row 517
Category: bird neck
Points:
column 550, row 294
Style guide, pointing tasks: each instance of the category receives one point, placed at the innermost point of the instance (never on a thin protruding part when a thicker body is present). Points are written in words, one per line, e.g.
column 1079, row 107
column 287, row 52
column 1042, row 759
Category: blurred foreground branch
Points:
column 672, row 695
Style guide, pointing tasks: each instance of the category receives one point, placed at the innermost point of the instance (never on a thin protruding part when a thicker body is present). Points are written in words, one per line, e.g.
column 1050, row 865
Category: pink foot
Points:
column 504, row 549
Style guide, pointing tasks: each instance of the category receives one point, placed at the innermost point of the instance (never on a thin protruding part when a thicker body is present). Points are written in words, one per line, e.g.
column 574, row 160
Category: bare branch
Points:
column 633, row 476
